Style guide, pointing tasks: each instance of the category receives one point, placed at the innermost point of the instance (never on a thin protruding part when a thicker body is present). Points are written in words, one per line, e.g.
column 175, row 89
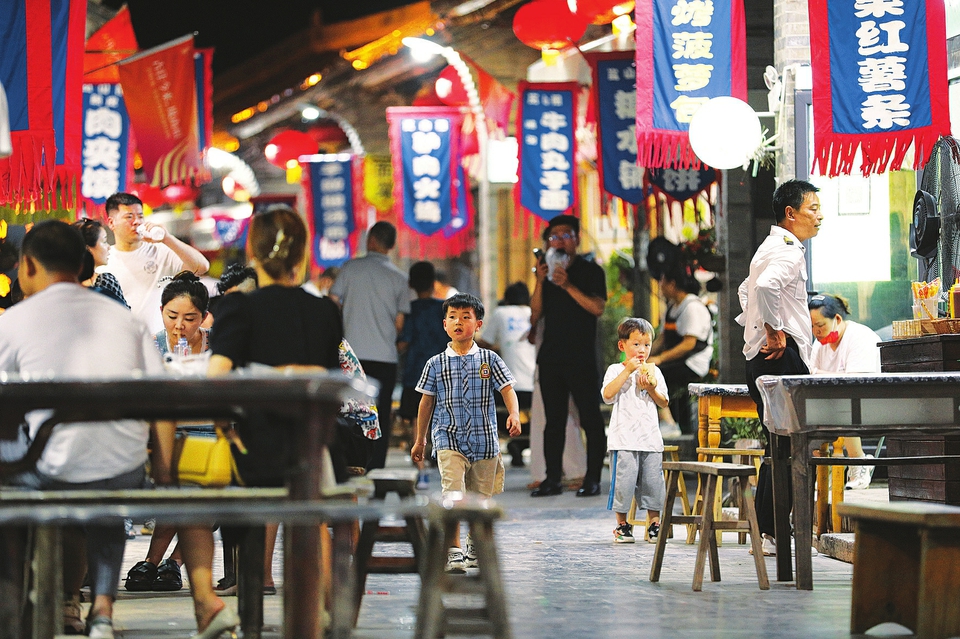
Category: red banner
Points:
column 159, row 87
column 113, row 42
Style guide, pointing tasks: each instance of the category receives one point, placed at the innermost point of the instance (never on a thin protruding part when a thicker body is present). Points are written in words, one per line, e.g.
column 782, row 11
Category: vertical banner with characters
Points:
column 425, row 148
column 687, row 53
column 105, row 140
column 545, row 132
column 879, row 82
column 615, row 97
column 331, row 196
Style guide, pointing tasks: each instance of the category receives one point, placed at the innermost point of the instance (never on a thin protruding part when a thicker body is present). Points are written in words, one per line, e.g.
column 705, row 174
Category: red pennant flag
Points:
column 113, row 42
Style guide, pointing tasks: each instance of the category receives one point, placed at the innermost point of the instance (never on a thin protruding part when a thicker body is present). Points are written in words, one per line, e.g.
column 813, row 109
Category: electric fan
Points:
column 936, row 215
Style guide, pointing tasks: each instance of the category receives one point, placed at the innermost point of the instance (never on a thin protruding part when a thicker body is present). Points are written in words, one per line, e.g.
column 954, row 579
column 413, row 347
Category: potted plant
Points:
column 744, row 432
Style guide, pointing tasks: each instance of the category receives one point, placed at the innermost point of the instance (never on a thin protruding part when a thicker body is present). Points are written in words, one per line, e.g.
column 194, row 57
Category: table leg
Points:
column 838, row 477
column 802, row 510
column 823, row 493
column 780, row 479
column 47, row 586
column 250, row 582
column 703, row 424
column 342, row 617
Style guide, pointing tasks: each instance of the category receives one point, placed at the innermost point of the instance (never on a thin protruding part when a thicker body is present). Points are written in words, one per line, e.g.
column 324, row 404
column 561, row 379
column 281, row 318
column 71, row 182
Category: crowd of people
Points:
column 537, row 359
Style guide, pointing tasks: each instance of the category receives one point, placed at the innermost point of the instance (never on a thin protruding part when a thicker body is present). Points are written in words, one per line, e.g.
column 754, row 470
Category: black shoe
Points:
column 168, row 578
column 589, row 489
column 140, row 578
column 547, row 489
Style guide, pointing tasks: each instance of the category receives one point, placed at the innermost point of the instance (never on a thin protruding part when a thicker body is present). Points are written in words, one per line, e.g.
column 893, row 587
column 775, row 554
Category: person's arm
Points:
column 193, row 260
column 658, row 343
column 536, row 298
column 593, row 305
column 163, row 433
column 219, row 365
column 424, row 413
column 679, row 351
column 611, row 388
column 398, row 322
column 648, row 383
column 513, row 409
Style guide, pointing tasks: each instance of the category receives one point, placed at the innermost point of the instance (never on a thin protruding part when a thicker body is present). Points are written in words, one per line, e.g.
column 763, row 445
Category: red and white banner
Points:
column 159, row 87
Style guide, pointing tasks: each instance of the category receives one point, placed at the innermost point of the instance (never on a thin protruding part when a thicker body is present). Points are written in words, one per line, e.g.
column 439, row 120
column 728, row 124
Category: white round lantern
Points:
column 725, row 132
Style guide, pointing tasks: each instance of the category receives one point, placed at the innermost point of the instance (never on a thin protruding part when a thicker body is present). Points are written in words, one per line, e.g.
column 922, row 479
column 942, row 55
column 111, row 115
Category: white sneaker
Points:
column 100, row 628
column 858, row 477
column 669, row 431
column 470, row 554
column 455, row 562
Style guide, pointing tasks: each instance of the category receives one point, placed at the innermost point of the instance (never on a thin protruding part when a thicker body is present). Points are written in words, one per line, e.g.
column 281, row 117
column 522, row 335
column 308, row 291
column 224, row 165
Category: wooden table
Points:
column 810, row 409
column 715, row 401
column 311, row 401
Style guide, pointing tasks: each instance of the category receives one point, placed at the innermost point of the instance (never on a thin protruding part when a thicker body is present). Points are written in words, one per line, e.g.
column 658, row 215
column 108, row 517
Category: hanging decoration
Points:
column 879, row 83
column 330, row 188
column 41, row 69
column 203, row 81
column 545, row 131
column 686, row 53
column 449, row 88
column 378, row 182
column 615, row 96
column 548, row 24
column 113, row 42
column 603, row 11
column 287, row 146
column 106, row 129
column 680, row 185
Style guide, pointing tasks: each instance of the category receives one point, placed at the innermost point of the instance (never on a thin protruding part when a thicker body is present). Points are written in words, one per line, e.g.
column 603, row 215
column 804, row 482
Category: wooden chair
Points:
column 674, row 453
column 718, row 455
column 709, row 474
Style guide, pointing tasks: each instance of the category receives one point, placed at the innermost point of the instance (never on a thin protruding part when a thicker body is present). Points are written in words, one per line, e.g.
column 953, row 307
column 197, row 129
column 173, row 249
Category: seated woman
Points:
column 843, row 346
column 98, row 250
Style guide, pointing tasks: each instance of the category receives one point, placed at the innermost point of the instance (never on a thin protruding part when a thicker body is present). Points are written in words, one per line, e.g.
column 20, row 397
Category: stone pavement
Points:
column 566, row 578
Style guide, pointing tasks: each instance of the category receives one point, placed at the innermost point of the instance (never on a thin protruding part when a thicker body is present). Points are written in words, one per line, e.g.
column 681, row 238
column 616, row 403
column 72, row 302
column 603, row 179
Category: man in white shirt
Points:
column 139, row 260
column 64, row 329
column 775, row 319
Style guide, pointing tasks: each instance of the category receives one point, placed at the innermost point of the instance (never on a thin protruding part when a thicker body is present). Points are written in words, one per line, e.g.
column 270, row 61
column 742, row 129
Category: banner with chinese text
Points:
column 331, row 205
column 545, row 131
column 615, row 96
column 680, row 185
column 687, row 53
column 106, row 130
column 879, row 82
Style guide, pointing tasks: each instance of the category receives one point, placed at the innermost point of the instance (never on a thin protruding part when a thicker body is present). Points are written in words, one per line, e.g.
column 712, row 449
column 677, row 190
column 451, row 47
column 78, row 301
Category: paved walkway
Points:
column 566, row 578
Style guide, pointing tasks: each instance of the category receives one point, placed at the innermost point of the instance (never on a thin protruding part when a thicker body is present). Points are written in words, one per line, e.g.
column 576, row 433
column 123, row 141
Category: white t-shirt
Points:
column 139, row 274
column 693, row 318
column 857, row 352
column 634, row 424
column 71, row 332
column 508, row 329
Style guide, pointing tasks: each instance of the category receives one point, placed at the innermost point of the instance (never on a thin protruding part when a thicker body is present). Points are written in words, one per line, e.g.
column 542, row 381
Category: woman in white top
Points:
column 843, row 346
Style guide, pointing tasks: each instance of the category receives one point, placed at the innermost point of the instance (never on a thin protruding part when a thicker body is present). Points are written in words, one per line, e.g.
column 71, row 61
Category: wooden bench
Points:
column 674, row 453
column 906, row 567
column 709, row 474
column 737, row 456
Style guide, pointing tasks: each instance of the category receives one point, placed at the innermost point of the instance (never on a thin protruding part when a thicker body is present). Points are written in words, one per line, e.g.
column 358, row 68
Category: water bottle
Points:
column 156, row 233
column 182, row 349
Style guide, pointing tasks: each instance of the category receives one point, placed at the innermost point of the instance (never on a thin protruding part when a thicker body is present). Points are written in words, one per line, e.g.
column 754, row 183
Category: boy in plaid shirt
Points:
column 457, row 407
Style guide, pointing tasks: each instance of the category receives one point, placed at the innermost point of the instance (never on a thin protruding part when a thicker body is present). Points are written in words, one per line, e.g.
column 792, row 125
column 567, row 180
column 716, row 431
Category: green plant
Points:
column 734, row 428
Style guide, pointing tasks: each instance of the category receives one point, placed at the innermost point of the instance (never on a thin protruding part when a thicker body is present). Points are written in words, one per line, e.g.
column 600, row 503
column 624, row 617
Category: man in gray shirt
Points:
column 375, row 295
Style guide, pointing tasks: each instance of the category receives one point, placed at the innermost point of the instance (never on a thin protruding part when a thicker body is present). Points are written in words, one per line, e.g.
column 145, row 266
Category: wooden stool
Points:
column 433, row 617
column 674, row 452
column 402, row 482
column 738, row 456
column 708, row 473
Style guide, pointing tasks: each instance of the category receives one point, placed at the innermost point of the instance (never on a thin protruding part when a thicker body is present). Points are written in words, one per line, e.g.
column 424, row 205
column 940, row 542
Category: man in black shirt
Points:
column 571, row 294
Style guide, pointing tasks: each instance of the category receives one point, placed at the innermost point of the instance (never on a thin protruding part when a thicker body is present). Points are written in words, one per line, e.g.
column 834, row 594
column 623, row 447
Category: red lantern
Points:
column 548, row 24
column 180, row 193
column 327, row 134
column 603, row 11
column 289, row 145
column 151, row 196
column 449, row 88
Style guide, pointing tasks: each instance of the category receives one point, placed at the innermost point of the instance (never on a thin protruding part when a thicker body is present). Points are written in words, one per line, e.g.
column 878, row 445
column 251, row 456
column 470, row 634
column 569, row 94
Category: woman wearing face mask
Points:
column 843, row 346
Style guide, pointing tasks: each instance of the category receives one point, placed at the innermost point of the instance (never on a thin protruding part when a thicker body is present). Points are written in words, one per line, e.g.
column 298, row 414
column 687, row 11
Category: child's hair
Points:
column 630, row 324
column 278, row 240
column 464, row 300
column 186, row 284
column 422, row 276
column 830, row 305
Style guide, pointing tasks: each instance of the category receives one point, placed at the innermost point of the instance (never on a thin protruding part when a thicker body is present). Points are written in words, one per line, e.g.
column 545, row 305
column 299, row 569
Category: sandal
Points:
column 73, row 617
column 168, row 578
column 141, row 577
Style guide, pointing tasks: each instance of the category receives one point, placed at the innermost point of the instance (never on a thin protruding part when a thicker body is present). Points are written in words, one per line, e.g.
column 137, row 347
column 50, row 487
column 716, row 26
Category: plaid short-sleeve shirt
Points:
column 465, row 418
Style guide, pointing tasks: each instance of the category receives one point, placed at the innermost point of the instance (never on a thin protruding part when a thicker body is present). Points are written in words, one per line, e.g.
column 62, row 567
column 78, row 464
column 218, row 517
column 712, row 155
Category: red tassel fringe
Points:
column 665, row 149
column 835, row 153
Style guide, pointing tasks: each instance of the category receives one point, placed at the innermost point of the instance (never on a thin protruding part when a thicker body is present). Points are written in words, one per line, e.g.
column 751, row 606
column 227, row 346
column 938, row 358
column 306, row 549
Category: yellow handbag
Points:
column 203, row 460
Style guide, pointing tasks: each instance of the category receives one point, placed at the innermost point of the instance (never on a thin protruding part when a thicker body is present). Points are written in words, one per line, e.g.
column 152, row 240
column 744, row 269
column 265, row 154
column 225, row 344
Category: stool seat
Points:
column 708, row 473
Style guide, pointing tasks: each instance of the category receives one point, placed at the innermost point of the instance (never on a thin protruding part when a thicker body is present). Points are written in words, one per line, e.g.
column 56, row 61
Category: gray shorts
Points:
column 636, row 475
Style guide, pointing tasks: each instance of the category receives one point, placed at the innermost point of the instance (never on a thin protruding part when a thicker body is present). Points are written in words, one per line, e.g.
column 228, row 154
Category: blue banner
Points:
column 426, row 153
column 547, row 149
column 331, row 188
column 106, row 130
column 616, row 81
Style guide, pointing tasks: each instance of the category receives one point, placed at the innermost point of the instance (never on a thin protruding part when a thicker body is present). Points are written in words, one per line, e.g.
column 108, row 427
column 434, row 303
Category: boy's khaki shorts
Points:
column 459, row 474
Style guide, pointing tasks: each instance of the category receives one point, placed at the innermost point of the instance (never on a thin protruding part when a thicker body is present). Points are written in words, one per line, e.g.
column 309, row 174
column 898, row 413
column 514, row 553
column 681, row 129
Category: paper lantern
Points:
column 180, row 193
column 449, row 88
column 151, row 196
column 548, row 24
column 289, row 145
column 603, row 11
column 725, row 133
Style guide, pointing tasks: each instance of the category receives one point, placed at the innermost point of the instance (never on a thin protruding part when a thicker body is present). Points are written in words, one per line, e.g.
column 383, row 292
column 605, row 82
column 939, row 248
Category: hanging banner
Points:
column 106, row 131
column 42, row 75
column 687, row 53
column 879, row 83
column 615, row 98
column 462, row 211
column 545, row 132
column 160, row 92
column 425, row 146
column 680, row 185
column 112, row 42
column 378, row 182
column 331, row 206
column 203, row 81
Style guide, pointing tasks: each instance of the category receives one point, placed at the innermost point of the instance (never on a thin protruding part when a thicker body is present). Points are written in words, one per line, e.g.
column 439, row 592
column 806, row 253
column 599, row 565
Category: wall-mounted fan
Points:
column 936, row 215
column 662, row 256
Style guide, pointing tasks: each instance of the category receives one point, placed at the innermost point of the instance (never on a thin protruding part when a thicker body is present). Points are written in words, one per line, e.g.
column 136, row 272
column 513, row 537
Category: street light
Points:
column 422, row 49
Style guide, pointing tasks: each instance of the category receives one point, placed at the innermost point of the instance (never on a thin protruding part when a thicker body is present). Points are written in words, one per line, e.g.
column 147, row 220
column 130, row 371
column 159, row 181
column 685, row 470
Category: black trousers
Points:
column 386, row 374
column 789, row 364
column 557, row 384
column 677, row 375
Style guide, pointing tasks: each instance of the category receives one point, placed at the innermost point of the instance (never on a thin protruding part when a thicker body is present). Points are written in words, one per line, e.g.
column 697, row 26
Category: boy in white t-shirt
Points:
column 636, row 389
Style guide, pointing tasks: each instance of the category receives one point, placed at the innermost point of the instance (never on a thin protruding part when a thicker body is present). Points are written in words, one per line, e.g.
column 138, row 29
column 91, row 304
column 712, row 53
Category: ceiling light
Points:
column 310, row 113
